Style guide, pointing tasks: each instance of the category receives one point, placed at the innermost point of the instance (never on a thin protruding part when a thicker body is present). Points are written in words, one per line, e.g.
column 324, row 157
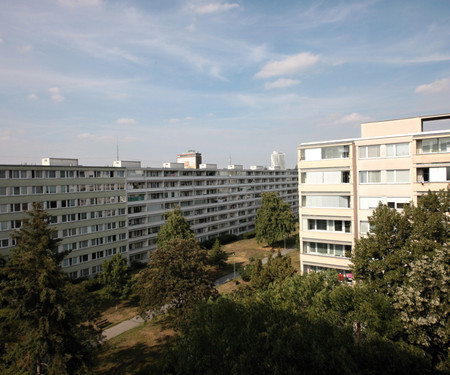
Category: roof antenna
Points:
column 117, row 150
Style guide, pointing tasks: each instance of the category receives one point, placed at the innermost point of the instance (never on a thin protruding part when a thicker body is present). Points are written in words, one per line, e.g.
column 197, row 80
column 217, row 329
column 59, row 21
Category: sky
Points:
column 234, row 80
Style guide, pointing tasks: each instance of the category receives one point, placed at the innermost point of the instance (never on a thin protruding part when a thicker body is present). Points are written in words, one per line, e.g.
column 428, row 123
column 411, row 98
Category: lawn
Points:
column 137, row 351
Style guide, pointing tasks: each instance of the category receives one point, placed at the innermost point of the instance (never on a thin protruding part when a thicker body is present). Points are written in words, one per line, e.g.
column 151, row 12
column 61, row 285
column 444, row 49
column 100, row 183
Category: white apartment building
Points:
column 342, row 181
column 100, row 211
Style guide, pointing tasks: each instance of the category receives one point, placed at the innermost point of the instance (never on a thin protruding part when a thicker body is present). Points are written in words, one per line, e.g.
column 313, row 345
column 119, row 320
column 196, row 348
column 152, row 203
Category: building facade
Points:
column 342, row 181
column 102, row 211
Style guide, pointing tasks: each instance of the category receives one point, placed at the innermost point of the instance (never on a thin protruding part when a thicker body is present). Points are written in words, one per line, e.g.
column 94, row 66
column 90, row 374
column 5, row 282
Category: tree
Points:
column 423, row 305
column 43, row 330
column 396, row 239
column 379, row 259
column 217, row 256
column 275, row 270
column 175, row 227
column 177, row 276
column 116, row 277
column 274, row 219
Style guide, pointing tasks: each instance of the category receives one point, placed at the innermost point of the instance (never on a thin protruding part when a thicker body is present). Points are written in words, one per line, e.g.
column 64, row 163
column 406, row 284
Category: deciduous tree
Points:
column 116, row 277
column 175, row 227
column 423, row 304
column 43, row 331
column 274, row 219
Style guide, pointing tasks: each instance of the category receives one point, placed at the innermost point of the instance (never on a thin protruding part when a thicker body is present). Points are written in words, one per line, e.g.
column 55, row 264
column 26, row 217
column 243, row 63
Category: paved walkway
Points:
column 126, row 325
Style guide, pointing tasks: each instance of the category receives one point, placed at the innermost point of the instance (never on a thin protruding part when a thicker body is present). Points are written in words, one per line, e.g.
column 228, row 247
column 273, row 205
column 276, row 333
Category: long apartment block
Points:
column 102, row 211
column 341, row 182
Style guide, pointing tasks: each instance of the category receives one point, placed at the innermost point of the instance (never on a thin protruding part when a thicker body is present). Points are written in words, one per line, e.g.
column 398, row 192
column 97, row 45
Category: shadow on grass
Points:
column 138, row 359
column 229, row 268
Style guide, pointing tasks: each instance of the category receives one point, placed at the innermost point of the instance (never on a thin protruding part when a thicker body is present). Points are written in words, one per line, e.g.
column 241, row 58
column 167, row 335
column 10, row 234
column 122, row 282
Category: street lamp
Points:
column 234, row 265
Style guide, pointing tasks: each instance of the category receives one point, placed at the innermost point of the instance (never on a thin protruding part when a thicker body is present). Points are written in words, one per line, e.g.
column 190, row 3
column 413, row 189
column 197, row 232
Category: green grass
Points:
column 137, row 351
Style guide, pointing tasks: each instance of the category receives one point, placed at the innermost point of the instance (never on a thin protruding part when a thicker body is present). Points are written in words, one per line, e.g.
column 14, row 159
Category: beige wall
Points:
column 391, row 127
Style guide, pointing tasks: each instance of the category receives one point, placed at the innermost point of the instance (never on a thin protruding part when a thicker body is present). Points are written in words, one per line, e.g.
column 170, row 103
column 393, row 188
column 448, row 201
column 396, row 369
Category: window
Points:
column 367, row 152
column 364, row 227
column 2, row 190
column 3, row 174
column 50, row 189
column 325, row 177
column 320, row 248
column 369, row 203
column 4, row 225
column 328, row 225
column 398, row 203
column 83, row 258
column 332, row 152
column 397, row 176
column 329, row 201
column 425, row 146
column 369, row 177
column 397, row 149
column 4, row 242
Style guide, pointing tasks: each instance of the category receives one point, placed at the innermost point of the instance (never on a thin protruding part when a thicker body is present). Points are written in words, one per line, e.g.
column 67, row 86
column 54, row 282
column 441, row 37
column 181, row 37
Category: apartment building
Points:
column 87, row 206
column 214, row 201
column 102, row 211
column 342, row 182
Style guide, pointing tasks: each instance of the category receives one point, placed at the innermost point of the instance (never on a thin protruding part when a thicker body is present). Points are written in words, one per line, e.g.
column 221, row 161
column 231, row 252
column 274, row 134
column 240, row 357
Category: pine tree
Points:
column 176, row 226
column 177, row 276
column 217, row 256
column 274, row 219
column 40, row 325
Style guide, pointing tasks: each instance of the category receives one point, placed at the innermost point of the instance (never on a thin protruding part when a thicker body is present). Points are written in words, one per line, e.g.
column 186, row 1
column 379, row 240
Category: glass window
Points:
column 330, row 201
column 397, row 176
column 366, row 152
column 370, row 177
column 397, row 149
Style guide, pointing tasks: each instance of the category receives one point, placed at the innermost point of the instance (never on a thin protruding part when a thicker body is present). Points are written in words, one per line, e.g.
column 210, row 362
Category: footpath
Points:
column 126, row 325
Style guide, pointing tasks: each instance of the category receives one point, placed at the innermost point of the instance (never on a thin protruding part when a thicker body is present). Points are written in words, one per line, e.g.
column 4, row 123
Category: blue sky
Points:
column 235, row 79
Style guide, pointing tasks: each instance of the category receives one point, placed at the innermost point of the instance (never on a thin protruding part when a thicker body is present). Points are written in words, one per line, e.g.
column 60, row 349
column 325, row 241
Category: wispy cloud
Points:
column 80, row 3
column 435, row 87
column 56, row 94
column 26, row 48
column 290, row 65
column 126, row 121
column 215, row 8
column 281, row 83
column 32, row 96
column 336, row 120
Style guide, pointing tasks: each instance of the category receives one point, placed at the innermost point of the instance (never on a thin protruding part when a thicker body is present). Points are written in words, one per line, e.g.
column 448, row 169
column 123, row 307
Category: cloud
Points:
column 281, row 83
column 85, row 136
column 126, row 121
column 118, row 96
column 435, row 87
column 215, row 8
column 336, row 120
column 56, row 95
column 25, row 49
column 80, row 3
column 290, row 65
column 32, row 97
column 178, row 120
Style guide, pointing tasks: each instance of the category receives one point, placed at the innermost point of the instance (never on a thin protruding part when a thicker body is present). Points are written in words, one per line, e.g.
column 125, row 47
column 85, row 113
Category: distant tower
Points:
column 278, row 160
column 191, row 159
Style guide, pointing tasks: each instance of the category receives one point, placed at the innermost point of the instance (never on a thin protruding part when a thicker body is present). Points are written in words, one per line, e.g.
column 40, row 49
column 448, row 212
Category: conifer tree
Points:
column 274, row 219
column 175, row 227
column 177, row 276
column 40, row 326
column 217, row 256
